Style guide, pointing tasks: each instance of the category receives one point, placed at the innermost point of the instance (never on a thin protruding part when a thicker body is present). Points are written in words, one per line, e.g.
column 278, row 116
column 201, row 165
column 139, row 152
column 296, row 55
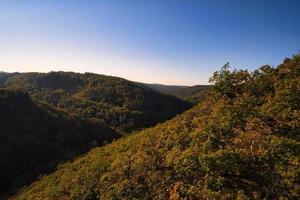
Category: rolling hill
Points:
column 192, row 94
column 48, row 118
column 241, row 142
column 121, row 104
column 168, row 89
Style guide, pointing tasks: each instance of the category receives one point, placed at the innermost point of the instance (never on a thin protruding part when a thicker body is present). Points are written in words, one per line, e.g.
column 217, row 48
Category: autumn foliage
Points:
column 241, row 142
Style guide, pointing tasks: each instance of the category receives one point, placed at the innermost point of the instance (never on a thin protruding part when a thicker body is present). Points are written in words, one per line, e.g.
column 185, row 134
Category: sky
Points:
column 177, row 42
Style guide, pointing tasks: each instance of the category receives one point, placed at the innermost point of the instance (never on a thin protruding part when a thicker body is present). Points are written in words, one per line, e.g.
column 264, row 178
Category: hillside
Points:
column 168, row 89
column 241, row 142
column 35, row 137
column 48, row 118
column 121, row 104
column 4, row 76
column 192, row 94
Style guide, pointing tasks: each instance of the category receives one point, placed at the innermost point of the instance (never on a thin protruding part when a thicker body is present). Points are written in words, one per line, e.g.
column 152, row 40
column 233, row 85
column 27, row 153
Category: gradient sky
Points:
column 172, row 42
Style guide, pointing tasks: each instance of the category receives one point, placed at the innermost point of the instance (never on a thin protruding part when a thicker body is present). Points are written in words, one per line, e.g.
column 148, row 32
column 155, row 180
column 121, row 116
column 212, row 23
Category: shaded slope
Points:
column 192, row 94
column 35, row 137
column 241, row 142
column 4, row 77
column 121, row 104
column 168, row 89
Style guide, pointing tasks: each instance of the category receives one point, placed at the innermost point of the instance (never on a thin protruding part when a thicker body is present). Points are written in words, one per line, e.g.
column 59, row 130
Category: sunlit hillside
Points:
column 241, row 142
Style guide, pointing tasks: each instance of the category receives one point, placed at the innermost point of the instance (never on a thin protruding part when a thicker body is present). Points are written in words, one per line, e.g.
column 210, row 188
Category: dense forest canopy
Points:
column 241, row 142
column 121, row 104
column 34, row 137
column 192, row 94
column 48, row 118
column 168, row 89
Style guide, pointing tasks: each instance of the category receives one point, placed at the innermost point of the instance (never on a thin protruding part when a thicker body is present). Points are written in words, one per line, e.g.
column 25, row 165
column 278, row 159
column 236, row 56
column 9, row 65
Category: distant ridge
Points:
column 192, row 94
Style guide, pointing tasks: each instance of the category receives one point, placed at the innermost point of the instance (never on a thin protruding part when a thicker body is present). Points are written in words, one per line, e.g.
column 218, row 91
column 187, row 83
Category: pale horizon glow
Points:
column 107, row 65
column 164, row 42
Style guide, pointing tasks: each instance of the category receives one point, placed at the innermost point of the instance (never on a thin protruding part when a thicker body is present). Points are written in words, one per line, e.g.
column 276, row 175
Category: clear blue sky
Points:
column 163, row 41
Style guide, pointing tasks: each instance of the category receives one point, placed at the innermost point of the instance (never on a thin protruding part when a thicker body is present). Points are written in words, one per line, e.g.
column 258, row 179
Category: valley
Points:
column 241, row 141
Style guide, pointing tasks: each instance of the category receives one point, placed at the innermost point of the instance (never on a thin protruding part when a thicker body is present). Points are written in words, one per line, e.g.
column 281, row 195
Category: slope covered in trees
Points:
column 241, row 142
column 168, row 89
column 46, row 118
column 4, row 76
column 192, row 94
column 34, row 137
column 121, row 104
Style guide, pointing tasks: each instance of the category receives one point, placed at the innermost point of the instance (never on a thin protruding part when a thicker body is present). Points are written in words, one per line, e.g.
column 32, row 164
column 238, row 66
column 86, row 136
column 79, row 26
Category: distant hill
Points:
column 4, row 76
column 192, row 94
column 168, row 89
column 121, row 104
column 241, row 142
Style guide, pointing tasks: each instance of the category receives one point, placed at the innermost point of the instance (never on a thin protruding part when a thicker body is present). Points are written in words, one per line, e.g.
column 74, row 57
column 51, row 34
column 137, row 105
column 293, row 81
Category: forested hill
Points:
column 121, row 104
column 241, row 142
column 48, row 118
column 4, row 76
column 35, row 137
column 168, row 89
column 192, row 94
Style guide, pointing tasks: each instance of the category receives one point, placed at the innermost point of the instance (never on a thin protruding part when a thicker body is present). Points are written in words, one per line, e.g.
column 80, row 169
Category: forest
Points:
column 35, row 137
column 241, row 141
column 193, row 94
column 50, row 118
column 117, row 102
